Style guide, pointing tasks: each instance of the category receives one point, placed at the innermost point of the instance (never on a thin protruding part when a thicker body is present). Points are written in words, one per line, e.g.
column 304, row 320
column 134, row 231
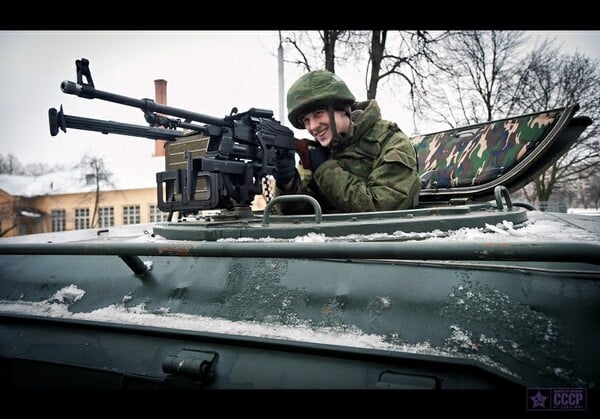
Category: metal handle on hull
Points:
column 296, row 198
column 500, row 191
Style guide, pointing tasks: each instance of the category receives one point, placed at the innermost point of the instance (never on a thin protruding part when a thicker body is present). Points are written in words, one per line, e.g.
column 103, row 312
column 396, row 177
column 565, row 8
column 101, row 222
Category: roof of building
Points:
column 73, row 180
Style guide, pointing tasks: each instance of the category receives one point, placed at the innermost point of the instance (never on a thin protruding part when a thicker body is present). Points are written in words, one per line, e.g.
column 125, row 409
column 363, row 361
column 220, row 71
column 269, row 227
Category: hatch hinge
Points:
column 453, row 202
column 194, row 364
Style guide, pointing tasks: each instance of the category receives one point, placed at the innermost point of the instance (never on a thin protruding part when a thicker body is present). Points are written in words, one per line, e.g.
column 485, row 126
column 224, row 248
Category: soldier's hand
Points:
column 285, row 168
column 318, row 156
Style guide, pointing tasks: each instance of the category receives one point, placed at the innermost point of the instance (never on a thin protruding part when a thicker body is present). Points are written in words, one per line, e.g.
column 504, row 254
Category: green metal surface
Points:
column 444, row 218
column 529, row 322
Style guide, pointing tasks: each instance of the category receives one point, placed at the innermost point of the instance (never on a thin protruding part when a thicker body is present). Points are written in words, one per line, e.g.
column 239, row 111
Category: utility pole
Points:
column 282, row 118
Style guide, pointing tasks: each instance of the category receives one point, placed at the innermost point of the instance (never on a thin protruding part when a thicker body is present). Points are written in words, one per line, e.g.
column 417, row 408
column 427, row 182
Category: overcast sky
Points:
column 207, row 72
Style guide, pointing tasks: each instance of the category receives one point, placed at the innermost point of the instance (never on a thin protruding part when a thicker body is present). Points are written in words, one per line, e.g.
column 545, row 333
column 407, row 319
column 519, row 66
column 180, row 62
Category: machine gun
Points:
column 222, row 162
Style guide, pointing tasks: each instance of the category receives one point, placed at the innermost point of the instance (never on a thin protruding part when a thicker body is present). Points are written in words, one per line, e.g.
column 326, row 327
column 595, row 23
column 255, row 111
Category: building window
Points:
column 156, row 215
column 82, row 218
column 131, row 214
column 59, row 220
column 106, row 217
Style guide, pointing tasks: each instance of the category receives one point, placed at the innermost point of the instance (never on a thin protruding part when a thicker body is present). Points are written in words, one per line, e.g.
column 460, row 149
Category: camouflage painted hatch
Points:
column 480, row 153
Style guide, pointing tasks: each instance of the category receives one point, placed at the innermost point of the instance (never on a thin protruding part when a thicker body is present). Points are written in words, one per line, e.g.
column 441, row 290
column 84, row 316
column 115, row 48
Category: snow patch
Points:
column 302, row 331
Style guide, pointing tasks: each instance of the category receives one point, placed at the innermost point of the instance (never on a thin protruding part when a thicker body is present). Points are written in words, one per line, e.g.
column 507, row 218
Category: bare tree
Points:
column 9, row 211
column 296, row 41
column 94, row 170
column 403, row 55
column 592, row 189
column 11, row 165
column 11, row 208
column 330, row 38
column 476, row 82
column 585, row 191
column 38, row 169
column 319, row 49
column 552, row 80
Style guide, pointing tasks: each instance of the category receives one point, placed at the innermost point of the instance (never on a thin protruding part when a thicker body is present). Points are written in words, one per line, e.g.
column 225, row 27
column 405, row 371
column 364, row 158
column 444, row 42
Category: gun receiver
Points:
column 236, row 153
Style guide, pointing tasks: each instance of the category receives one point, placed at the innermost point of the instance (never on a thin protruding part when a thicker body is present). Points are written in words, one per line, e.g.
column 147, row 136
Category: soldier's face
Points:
column 318, row 124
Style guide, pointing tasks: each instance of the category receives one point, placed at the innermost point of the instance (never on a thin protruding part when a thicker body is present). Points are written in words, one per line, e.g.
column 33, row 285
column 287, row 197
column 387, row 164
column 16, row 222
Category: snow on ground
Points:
column 584, row 211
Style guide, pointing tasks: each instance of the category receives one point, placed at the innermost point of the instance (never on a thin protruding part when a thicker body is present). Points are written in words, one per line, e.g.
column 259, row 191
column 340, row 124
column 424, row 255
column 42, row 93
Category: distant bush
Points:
column 553, row 206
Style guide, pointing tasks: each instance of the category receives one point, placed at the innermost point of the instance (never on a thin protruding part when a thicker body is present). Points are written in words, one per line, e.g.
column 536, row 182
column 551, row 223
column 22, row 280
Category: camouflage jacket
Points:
column 374, row 168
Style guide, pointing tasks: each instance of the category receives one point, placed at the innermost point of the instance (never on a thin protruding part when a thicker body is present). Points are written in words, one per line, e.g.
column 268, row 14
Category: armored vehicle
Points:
column 471, row 290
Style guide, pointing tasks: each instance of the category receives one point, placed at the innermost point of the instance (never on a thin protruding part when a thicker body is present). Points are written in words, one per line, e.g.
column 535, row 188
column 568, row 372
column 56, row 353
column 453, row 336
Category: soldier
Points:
column 359, row 163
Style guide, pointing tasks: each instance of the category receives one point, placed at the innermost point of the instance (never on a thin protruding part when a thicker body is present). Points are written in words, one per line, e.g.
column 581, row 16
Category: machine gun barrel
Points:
column 58, row 120
column 89, row 92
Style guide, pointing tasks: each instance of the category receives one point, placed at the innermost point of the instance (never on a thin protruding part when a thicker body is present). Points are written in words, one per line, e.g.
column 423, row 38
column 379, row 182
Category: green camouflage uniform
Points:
column 373, row 168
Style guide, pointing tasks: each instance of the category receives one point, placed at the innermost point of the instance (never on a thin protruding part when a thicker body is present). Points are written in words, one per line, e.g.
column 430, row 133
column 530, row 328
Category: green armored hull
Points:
column 406, row 312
